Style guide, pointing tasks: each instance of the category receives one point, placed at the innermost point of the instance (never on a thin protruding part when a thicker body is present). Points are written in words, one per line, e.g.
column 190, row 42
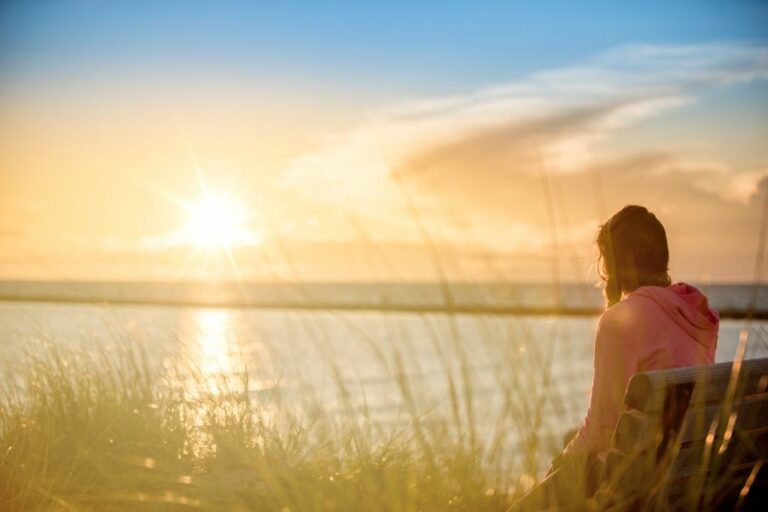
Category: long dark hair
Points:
column 633, row 252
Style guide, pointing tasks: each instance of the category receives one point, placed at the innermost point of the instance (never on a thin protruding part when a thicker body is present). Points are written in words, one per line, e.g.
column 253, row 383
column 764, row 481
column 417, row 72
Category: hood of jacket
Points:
column 687, row 307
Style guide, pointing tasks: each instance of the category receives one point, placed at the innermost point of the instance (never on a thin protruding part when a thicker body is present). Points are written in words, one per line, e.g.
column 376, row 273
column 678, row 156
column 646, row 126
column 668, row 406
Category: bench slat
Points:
column 647, row 391
column 751, row 412
column 689, row 458
column 636, row 430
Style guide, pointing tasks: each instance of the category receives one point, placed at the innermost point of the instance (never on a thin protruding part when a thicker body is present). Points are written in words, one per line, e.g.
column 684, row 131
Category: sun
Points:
column 218, row 222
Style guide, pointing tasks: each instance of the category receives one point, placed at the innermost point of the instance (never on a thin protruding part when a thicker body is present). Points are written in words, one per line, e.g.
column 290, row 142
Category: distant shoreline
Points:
column 732, row 300
column 463, row 309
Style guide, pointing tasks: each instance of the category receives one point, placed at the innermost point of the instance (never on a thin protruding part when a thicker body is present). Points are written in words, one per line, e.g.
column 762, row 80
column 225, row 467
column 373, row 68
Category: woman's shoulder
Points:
column 631, row 313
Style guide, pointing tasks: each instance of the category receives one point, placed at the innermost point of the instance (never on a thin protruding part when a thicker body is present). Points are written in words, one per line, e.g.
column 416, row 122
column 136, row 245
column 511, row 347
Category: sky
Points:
column 174, row 140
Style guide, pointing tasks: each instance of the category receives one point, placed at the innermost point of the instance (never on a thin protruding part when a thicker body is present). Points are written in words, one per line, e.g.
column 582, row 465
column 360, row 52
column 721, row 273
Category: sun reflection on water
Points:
column 220, row 354
column 212, row 348
column 214, row 333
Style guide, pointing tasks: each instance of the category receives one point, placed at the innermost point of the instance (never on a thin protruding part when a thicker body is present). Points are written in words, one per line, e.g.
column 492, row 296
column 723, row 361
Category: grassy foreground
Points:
column 112, row 432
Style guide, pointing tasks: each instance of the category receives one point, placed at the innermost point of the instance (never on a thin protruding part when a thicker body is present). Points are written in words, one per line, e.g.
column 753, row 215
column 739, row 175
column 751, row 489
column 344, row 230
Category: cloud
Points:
column 518, row 170
column 551, row 120
column 719, row 180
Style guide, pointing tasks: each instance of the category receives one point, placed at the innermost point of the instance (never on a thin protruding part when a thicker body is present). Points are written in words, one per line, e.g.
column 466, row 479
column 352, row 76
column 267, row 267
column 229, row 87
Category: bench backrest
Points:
column 691, row 437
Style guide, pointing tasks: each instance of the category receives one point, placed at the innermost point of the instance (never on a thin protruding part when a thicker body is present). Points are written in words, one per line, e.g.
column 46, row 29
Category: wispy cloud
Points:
column 552, row 120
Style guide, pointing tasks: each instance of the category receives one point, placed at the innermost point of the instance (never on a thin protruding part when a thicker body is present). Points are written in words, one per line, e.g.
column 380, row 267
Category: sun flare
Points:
column 218, row 222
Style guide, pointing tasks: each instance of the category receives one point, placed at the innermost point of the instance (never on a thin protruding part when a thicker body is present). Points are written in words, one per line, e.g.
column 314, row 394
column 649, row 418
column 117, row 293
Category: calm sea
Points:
column 300, row 352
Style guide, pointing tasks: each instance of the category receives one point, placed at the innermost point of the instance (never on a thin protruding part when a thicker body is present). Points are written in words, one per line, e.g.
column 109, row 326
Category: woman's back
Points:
column 670, row 327
column 652, row 328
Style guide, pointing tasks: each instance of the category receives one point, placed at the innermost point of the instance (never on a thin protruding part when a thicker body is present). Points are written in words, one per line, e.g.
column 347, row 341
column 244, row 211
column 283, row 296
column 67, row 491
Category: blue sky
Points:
column 393, row 46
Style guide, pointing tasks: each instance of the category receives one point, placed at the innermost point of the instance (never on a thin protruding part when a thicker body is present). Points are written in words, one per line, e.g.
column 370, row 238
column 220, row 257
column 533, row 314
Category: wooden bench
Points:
column 691, row 438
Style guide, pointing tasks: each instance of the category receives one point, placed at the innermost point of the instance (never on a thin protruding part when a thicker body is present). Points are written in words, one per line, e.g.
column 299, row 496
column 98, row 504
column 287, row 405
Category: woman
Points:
column 649, row 324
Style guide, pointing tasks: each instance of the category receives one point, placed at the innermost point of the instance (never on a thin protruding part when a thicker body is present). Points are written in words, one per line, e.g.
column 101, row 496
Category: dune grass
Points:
column 114, row 430
column 111, row 431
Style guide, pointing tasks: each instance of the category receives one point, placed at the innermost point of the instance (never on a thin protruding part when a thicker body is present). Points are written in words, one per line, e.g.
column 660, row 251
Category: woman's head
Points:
column 633, row 252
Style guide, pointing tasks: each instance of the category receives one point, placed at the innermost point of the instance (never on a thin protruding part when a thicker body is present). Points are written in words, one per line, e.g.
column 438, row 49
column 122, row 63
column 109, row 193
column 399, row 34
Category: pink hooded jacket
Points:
column 652, row 328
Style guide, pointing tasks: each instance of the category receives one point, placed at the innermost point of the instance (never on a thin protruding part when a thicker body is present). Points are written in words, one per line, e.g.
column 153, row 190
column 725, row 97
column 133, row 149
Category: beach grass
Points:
column 112, row 431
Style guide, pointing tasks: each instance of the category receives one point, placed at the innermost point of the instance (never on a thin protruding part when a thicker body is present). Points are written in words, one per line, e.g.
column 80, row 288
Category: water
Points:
column 296, row 352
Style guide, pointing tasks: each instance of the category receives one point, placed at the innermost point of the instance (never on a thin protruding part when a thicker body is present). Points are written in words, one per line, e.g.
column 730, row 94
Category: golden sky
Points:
column 110, row 171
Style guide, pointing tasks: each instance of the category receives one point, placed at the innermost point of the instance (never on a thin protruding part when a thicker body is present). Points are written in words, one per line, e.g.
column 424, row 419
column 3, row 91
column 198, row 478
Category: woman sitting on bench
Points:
column 649, row 324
